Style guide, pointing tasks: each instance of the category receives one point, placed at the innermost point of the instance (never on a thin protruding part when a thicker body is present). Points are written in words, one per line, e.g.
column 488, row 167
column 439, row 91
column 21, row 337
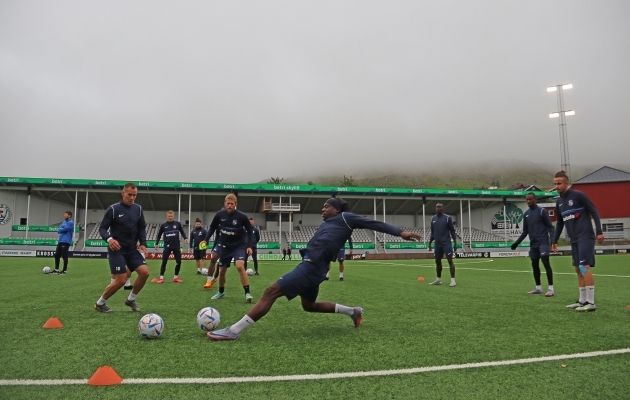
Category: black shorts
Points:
column 120, row 259
column 199, row 254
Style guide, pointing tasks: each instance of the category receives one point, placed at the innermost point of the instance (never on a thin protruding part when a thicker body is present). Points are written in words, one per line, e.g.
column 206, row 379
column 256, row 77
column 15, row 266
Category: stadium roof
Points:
column 605, row 174
column 209, row 196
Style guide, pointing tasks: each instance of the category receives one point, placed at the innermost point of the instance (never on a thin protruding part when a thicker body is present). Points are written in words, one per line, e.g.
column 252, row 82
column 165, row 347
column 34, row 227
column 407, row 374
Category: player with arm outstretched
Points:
column 538, row 226
column 305, row 279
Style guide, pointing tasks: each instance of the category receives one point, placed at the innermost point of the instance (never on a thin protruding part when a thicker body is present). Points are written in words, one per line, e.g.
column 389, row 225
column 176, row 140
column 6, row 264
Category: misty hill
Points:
column 462, row 177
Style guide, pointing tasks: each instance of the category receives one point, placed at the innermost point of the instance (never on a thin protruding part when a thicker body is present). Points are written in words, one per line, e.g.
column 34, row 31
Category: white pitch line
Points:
column 491, row 269
column 338, row 375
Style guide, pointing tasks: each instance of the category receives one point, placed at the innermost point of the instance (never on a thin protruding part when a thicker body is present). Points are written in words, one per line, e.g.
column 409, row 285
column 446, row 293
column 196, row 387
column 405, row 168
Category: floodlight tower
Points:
column 561, row 113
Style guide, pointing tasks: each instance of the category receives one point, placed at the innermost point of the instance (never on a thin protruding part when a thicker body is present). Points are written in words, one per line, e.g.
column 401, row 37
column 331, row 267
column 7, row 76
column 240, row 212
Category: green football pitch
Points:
column 408, row 328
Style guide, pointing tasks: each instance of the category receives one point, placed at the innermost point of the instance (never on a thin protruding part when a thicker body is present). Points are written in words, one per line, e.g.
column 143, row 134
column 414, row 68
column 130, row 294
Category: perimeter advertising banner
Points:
column 17, row 253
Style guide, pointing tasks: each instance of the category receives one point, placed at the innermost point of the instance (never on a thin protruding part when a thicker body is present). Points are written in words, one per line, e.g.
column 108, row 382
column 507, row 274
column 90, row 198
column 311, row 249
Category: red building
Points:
column 609, row 189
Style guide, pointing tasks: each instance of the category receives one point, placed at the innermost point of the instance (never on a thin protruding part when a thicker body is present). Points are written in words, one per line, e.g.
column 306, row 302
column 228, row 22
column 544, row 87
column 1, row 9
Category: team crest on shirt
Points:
column 234, row 222
column 570, row 203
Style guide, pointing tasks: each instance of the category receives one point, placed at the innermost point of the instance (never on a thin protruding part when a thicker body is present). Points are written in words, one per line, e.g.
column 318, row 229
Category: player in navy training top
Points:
column 197, row 236
column 538, row 226
column 341, row 255
column 124, row 229
column 305, row 279
column 171, row 230
column 236, row 243
column 574, row 210
column 255, row 232
column 442, row 230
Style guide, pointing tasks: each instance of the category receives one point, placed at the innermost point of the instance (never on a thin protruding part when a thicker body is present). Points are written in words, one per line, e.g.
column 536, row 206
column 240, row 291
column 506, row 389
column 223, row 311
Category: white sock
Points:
column 438, row 279
column 538, row 287
column 128, row 283
column 209, row 279
column 175, row 277
column 551, row 288
column 590, row 294
column 112, row 280
column 198, row 269
column 161, row 276
column 341, row 274
column 452, row 280
column 242, row 324
column 100, row 301
column 327, row 274
column 582, row 295
column 131, row 297
column 340, row 309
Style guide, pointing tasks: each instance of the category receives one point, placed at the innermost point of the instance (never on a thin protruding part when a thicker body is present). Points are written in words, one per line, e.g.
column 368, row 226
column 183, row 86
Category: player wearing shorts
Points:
column 575, row 210
column 197, row 236
column 341, row 256
column 442, row 230
column 305, row 279
column 123, row 227
column 235, row 243
column 538, row 226
column 171, row 230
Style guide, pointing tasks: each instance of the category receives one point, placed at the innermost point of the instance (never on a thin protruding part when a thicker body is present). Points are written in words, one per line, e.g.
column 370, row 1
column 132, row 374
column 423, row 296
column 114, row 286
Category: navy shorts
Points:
column 227, row 254
column 583, row 252
column 217, row 249
column 538, row 252
column 440, row 251
column 120, row 259
column 199, row 254
column 341, row 256
column 303, row 281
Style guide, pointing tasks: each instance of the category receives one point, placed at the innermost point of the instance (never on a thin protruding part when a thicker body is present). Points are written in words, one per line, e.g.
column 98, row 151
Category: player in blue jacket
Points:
column 442, row 231
column 575, row 210
column 537, row 225
column 66, row 230
column 305, row 279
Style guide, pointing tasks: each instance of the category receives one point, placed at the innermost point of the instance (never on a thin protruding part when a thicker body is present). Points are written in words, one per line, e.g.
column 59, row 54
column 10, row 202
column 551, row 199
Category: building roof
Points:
column 605, row 174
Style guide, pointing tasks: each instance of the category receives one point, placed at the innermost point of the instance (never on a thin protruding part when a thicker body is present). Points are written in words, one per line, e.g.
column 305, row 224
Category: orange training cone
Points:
column 421, row 279
column 105, row 376
column 154, row 280
column 53, row 323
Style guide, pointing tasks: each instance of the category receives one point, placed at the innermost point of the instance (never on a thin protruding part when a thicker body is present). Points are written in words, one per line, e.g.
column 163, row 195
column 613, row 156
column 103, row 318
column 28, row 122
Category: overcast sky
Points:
column 239, row 91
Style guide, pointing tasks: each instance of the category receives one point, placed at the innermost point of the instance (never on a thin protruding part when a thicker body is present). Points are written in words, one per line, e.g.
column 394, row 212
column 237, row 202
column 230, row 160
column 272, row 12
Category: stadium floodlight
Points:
column 560, row 114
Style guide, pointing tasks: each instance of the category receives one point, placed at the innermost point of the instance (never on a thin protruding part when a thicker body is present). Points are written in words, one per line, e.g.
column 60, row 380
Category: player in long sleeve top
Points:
column 197, row 236
column 65, row 231
column 538, row 226
column 575, row 210
column 171, row 230
column 236, row 243
column 305, row 279
column 255, row 232
column 341, row 255
column 442, row 231
column 124, row 229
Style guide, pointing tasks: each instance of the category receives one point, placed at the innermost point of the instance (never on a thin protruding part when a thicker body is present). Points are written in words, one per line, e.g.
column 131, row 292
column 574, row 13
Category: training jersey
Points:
column 65, row 231
column 233, row 229
column 442, row 230
column 538, row 226
column 171, row 231
column 335, row 231
column 126, row 224
column 574, row 210
column 197, row 236
column 255, row 232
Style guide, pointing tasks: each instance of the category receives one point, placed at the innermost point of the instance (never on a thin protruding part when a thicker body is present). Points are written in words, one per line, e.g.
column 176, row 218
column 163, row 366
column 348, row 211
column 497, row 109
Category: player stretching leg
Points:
column 305, row 279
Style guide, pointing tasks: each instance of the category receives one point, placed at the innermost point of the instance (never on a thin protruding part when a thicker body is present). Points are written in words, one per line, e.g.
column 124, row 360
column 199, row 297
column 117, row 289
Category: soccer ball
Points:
column 151, row 326
column 208, row 319
column 204, row 271
column 250, row 271
column 46, row 269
